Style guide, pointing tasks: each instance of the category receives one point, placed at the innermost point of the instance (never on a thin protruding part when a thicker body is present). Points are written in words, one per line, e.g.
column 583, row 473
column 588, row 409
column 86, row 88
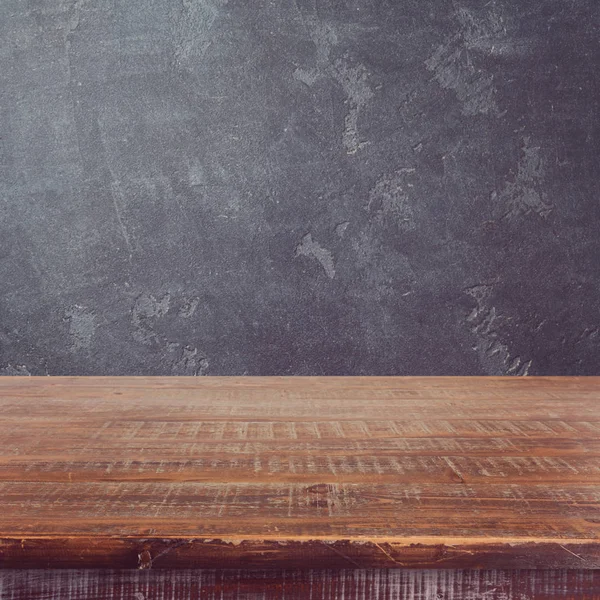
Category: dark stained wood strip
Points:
column 177, row 553
column 377, row 584
column 280, row 472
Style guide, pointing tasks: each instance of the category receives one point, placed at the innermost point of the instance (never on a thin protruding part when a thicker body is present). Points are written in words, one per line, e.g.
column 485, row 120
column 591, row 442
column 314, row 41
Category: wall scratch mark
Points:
column 117, row 198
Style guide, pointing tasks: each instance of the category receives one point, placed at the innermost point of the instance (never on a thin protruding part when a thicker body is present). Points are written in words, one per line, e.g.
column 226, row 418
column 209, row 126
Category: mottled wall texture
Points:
column 219, row 187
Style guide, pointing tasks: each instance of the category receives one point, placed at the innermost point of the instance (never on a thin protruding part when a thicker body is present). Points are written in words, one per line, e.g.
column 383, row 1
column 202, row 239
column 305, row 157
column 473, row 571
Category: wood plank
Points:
column 289, row 469
column 374, row 584
column 279, row 472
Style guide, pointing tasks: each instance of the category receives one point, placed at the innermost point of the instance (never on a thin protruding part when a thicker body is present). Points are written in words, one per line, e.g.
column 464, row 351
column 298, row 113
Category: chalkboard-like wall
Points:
column 222, row 187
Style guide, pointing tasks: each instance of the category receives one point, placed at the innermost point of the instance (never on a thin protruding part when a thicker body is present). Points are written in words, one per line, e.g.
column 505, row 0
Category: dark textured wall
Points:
column 299, row 187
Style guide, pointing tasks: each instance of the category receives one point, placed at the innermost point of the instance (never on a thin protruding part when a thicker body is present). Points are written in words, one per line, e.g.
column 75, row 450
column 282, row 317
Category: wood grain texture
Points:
column 300, row 472
column 341, row 584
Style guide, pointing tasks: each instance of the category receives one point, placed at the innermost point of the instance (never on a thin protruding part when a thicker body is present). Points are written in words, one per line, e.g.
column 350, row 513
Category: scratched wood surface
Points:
column 300, row 472
column 358, row 584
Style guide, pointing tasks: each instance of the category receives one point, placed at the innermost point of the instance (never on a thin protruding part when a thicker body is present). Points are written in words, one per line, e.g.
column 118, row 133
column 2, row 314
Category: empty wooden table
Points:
column 143, row 488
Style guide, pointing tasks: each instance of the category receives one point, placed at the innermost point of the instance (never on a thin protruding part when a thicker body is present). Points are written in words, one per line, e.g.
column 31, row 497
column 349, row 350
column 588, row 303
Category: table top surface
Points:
column 334, row 472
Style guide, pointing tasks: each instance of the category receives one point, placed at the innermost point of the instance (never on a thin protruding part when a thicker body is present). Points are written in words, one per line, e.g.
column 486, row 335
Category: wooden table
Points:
column 155, row 488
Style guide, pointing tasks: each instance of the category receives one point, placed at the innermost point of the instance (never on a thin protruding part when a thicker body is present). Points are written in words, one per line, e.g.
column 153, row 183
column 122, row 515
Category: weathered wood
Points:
column 378, row 584
column 300, row 472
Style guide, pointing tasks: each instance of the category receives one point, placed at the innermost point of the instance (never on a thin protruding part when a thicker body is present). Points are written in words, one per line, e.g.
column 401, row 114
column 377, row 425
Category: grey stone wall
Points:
column 299, row 187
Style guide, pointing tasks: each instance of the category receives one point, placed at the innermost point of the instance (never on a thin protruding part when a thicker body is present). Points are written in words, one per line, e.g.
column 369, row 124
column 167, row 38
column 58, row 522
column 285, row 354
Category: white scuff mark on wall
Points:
column 484, row 320
column 148, row 311
column 145, row 309
column 189, row 362
column 312, row 249
column 82, row 325
column 454, row 66
column 354, row 82
column 193, row 21
column 353, row 78
column 389, row 198
column 524, row 194
column 15, row 370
